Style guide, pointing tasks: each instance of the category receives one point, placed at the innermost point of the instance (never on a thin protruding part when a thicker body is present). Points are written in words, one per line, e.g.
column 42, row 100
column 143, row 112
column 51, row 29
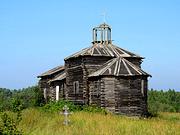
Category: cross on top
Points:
column 104, row 16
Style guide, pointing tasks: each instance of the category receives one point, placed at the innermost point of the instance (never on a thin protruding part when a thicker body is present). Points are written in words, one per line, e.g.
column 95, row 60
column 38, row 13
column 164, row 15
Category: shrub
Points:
column 9, row 126
column 55, row 106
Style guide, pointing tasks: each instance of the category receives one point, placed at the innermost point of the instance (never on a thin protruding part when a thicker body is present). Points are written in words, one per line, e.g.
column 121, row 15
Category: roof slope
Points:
column 119, row 67
column 52, row 71
column 59, row 77
column 100, row 49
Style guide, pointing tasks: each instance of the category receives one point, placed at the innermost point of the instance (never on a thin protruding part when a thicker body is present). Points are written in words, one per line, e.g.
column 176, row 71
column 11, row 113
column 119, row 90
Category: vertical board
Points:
column 57, row 93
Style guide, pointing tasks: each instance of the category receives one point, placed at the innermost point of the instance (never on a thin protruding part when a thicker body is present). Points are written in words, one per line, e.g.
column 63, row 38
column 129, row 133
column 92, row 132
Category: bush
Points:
column 9, row 126
column 55, row 106
column 152, row 110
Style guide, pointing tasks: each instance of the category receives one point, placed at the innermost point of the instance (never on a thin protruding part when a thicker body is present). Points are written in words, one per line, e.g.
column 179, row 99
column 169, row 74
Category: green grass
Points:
column 37, row 122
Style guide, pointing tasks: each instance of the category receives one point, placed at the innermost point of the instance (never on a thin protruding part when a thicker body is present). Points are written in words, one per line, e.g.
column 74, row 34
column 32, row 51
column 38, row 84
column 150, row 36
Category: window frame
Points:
column 76, row 87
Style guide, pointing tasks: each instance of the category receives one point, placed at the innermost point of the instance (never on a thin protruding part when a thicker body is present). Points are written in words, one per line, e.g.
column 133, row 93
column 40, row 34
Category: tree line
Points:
column 163, row 101
column 158, row 100
column 26, row 97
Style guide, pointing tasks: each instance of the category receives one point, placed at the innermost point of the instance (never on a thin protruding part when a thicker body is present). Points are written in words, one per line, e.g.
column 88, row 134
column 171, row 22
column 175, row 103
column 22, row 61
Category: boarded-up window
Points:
column 97, row 88
column 45, row 93
column 57, row 93
column 76, row 87
column 63, row 90
column 142, row 87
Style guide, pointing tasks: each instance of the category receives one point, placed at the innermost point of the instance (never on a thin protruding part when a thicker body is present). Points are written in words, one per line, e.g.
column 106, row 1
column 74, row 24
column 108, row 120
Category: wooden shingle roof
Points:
column 100, row 49
column 119, row 67
column 52, row 71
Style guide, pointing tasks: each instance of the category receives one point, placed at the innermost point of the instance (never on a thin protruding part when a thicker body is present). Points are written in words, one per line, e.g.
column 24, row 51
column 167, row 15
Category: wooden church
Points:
column 102, row 74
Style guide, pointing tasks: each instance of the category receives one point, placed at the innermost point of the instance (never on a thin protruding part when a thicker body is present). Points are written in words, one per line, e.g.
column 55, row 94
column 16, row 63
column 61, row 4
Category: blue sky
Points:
column 37, row 35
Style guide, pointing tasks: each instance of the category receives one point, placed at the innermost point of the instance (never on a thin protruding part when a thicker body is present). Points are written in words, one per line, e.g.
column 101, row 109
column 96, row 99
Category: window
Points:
column 45, row 93
column 63, row 90
column 76, row 87
column 57, row 93
column 97, row 88
column 142, row 87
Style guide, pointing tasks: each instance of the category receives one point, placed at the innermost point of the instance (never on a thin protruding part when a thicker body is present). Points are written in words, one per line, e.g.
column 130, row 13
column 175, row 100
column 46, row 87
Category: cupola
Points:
column 102, row 34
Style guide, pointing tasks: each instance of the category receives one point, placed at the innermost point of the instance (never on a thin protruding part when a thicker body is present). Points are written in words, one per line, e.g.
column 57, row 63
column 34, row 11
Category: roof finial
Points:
column 104, row 16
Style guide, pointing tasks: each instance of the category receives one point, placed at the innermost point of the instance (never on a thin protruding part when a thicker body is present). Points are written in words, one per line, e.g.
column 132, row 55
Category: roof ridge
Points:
column 52, row 71
column 58, row 77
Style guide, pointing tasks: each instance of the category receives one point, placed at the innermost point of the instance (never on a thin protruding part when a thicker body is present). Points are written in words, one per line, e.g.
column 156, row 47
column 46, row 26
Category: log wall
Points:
column 43, row 84
column 89, row 65
column 74, row 72
column 128, row 96
column 78, row 69
column 121, row 95
column 93, row 63
column 108, row 93
column 95, row 92
column 62, row 90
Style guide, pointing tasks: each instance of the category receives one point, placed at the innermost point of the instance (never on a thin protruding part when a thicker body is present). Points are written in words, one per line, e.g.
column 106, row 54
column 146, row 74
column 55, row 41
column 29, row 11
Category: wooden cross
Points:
column 66, row 113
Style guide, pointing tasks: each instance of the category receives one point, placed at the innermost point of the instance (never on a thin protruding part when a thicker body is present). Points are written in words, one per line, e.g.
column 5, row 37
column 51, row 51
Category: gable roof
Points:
column 119, row 67
column 100, row 49
column 52, row 71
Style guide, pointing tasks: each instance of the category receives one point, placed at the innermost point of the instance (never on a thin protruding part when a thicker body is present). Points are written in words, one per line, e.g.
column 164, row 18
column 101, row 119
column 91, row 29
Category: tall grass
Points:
column 36, row 122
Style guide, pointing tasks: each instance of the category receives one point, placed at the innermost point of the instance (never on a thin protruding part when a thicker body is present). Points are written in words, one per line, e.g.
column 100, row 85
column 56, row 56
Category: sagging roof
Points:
column 59, row 77
column 101, row 49
column 119, row 67
column 52, row 71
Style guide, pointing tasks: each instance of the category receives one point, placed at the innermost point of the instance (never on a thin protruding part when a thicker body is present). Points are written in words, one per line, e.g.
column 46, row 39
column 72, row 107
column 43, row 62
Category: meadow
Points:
column 37, row 118
column 37, row 122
